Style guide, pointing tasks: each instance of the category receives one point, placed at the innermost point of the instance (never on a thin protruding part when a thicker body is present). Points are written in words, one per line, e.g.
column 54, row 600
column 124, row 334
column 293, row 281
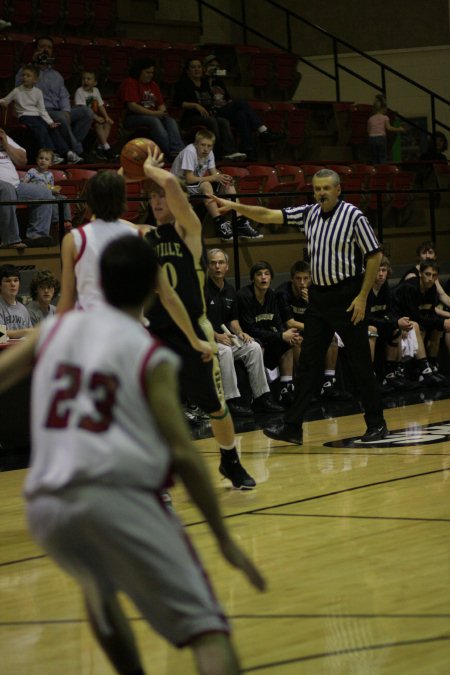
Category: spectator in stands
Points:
column 13, row 314
column 197, row 166
column 75, row 122
column 41, row 175
column 232, row 342
column 11, row 189
column 237, row 111
column 30, row 109
column 260, row 317
column 89, row 95
column 417, row 299
column 377, row 126
column 43, row 287
column 194, row 95
column 144, row 107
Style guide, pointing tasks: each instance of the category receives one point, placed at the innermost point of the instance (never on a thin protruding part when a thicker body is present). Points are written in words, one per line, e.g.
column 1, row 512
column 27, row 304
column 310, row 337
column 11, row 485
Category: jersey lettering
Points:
column 102, row 389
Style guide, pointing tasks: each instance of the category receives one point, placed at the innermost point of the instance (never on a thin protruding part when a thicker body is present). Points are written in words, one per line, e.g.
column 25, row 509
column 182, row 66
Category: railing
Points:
column 336, row 42
column 378, row 218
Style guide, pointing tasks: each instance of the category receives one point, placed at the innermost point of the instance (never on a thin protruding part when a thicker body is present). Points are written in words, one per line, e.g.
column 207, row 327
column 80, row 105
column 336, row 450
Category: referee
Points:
column 341, row 243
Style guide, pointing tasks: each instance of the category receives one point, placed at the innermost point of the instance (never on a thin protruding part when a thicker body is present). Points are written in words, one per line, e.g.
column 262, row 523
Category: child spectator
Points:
column 89, row 95
column 43, row 287
column 30, row 109
column 42, row 174
column 377, row 126
column 196, row 165
column 13, row 314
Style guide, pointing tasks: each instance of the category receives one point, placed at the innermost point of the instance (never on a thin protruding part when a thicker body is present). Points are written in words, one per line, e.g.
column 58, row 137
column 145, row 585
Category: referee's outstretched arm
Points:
column 257, row 213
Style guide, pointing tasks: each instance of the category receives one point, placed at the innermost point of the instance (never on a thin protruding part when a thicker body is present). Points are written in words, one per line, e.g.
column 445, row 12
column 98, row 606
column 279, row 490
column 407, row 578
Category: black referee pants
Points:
column 325, row 315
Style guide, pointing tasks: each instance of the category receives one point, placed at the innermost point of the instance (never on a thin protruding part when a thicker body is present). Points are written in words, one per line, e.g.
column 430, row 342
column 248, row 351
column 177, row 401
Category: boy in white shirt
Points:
column 30, row 109
column 197, row 166
column 89, row 95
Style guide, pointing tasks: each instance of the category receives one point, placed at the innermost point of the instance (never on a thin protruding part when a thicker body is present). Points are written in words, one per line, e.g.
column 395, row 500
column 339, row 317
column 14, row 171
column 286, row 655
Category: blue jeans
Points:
column 378, row 149
column 46, row 137
column 245, row 119
column 163, row 130
column 55, row 208
column 75, row 131
column 40, row 215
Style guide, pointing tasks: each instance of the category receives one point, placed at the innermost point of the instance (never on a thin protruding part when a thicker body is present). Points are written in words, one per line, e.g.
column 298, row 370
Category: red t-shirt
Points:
column 148, row 95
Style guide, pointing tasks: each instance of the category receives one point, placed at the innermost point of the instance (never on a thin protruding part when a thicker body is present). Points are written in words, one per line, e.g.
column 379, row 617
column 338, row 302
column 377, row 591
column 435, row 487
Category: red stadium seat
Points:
column 75, row 14
column 358, row 183
column 49, row 12
column 297, row 121
column 102, row 16
column 271, row 176
column 21, row 13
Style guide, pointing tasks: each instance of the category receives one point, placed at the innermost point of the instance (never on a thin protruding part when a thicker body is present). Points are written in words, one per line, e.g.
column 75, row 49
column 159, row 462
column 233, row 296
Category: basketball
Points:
column 133, row 155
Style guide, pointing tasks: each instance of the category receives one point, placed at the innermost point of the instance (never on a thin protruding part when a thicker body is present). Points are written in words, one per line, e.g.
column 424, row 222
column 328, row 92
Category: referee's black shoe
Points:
column 375, row 434
column 230, row 467
column 285, row 432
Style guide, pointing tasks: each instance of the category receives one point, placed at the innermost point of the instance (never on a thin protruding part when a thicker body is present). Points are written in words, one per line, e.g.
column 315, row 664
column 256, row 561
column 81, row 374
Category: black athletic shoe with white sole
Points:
column 246, row 231
column 230, row 467
column 224, row 231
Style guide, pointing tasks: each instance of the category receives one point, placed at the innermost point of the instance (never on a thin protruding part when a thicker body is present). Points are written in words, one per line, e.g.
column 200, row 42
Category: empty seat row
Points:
column 60, row 15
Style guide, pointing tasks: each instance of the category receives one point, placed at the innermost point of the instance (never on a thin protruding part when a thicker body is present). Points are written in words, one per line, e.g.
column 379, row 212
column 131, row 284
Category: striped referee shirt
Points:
column 337, row 240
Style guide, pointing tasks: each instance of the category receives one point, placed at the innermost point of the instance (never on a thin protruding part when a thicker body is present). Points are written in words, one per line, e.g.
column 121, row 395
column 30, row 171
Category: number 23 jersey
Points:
column 90, row 418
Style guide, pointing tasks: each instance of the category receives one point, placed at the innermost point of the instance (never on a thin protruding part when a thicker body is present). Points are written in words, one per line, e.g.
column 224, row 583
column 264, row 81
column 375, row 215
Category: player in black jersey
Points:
column 178, row 244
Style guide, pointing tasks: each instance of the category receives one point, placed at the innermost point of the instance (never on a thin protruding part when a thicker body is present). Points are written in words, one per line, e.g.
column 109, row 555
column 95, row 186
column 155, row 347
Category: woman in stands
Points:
column 145, row 108
column 194, row 96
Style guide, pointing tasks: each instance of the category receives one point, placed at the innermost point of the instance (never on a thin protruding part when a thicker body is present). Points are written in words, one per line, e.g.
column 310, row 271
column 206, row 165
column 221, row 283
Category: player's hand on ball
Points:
column 155, row 158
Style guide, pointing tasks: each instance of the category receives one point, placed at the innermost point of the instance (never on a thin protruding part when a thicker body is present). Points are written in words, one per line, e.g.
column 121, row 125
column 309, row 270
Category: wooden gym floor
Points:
column 353, row 539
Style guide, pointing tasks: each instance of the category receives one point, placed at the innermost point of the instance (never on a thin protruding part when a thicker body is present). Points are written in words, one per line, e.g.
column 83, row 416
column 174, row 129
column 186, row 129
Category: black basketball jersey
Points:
column 185, row 276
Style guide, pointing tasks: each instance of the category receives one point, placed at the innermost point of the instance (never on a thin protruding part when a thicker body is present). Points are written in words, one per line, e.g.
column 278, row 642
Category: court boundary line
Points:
column 261, row 509
column 335, row 515
column 349, row 650
column 324, row 495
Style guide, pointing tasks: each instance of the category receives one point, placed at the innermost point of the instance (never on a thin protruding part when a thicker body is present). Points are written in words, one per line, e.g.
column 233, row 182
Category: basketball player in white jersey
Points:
column 82, row 247
column 107, row 431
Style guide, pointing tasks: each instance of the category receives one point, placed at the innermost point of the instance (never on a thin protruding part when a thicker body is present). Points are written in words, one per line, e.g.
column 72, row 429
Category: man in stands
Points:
column 232, row 342
column 11, row 189
column 75, row 122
